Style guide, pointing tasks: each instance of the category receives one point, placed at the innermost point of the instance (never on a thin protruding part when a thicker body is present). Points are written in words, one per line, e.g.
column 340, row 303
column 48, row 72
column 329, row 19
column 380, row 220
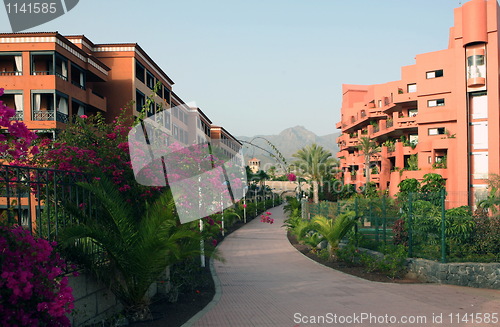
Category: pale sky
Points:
column 258, row 67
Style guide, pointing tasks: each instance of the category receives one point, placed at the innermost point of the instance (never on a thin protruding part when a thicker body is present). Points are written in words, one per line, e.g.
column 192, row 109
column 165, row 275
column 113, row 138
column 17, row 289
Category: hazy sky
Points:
column 258, row 67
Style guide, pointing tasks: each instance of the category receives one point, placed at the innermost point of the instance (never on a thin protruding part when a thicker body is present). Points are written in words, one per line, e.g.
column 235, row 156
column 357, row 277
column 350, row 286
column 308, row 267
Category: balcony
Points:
column 403, row 96
column 18, row 116
column 46, row 115
column 11, row 65
column 406, row 122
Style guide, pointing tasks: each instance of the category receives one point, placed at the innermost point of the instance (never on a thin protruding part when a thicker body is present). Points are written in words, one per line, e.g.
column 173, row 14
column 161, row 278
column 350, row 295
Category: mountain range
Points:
column 288, row 142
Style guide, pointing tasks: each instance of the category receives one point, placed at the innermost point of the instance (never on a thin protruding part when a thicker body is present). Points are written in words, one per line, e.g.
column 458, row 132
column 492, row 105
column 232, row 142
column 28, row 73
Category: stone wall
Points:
column 481, row 275
column 93, row 301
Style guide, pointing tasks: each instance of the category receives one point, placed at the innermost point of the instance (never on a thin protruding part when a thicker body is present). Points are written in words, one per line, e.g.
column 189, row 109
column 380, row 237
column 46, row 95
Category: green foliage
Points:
column 314, row 163
column 349, row 254
column 137, row 244
column 291, row 204
column 393, row 263
column 368, row 148
column 301, row 229
column 333, row 230
column 412, row 163
column 312, row 239
column 187, row 276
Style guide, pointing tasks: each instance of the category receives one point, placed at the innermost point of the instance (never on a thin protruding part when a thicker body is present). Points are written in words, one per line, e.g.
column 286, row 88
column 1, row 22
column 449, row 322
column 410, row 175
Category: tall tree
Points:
column 314, row 163
column 368, row 147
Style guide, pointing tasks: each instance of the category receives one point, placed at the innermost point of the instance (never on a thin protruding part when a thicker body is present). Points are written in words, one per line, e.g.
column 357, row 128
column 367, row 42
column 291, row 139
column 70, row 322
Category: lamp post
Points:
column 245, row 204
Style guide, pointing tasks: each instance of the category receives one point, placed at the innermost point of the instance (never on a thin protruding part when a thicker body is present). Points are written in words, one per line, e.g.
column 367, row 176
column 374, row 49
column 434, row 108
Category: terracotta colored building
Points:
column 48, row 78
column 441, row 117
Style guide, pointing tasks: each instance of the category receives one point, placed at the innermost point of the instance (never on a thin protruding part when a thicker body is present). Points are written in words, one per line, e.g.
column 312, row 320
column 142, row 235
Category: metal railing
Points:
column 35, row 198
column 49, row 115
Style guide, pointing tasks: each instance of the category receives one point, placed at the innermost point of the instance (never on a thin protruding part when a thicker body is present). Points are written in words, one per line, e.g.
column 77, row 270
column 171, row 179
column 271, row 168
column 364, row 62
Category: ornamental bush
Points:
column 33, row 291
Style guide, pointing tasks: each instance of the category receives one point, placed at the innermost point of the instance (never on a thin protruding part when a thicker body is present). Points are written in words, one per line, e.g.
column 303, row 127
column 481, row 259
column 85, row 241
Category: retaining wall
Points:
column 481, row 275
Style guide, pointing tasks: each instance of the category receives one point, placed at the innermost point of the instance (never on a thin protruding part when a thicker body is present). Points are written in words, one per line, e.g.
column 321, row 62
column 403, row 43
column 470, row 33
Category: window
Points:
column 77, row 108
column 479, row 135
column 150, row 80
column 140, row 71
column 49, row 63
column 412, row 88
column 480, row 164
column 435, row 103
column 434, row 74
column 151, row 109
column 412, row 112
column 166, row 94
column 413, row 138
column 49, row 106
column 437, row 131
column 140, row 100
column 11, row 64
column 14, row 99
column 476, row 67
column 78, row 76
column 479, row 106
column 380, row 103
column 167, row 119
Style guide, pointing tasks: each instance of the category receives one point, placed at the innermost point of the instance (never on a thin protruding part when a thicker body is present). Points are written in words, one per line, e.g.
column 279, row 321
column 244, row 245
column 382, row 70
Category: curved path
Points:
column 266, row 282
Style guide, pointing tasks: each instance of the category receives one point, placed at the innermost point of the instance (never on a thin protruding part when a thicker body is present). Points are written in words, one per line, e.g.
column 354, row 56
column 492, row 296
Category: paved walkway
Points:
column 266, row 282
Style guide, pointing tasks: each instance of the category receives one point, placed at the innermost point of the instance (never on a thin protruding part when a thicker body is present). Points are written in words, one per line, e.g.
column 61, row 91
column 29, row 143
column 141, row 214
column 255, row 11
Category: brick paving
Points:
column 266, row 282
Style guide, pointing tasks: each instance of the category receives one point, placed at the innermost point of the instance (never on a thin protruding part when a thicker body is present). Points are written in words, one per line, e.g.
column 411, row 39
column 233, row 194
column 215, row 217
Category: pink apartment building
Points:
column 442, row 115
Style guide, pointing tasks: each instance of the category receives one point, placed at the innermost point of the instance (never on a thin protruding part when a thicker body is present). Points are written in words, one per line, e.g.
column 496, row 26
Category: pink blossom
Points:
column 84, row 117
column 291, row 177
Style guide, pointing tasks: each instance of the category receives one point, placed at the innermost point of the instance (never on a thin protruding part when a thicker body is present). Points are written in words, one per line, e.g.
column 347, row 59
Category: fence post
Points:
column 443, row 228
column 384, row 221
column 410, row 231
column 356, row 207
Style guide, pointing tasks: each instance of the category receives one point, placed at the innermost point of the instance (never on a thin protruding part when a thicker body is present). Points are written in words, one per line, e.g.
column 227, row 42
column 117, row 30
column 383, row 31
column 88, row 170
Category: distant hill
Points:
column 288, row 142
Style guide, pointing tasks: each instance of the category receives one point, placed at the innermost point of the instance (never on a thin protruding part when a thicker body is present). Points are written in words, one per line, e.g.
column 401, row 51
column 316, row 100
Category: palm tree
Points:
column 138, row 245
column 369, row 148
column 333, row 230
column 314, row 162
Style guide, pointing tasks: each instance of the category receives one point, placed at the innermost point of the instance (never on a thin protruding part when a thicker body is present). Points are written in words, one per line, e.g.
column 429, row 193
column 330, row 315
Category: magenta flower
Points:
column 291, row 177
column 84, row 117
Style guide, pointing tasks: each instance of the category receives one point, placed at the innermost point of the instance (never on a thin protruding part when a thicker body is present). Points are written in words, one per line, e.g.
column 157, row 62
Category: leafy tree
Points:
column 492, row 201
column 431, row 187
column 138, row 244
column 314, row 162
column 333, row 230
column 368, row 147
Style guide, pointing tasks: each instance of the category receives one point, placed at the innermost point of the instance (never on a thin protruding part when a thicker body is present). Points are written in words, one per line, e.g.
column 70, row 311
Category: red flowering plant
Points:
column 266, row 218
column 15, row 138
column 33, row 291
column 92, row 146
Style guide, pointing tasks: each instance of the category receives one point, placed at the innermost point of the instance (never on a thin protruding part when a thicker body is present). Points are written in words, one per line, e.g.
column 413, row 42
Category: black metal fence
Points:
column 34, row 197
column 428, row 225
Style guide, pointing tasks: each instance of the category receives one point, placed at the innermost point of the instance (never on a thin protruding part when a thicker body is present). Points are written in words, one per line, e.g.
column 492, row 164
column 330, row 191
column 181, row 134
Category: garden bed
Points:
column 358, row 271
column 167, row 314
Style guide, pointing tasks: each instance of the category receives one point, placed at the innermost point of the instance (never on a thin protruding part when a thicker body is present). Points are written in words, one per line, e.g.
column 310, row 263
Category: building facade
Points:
column 49, row 78
column 441, row 117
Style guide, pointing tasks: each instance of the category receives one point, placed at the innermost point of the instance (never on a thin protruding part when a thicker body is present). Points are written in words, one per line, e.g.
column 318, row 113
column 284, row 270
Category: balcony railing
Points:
column 18, row 116
column 11, row 73
column 45, row 115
